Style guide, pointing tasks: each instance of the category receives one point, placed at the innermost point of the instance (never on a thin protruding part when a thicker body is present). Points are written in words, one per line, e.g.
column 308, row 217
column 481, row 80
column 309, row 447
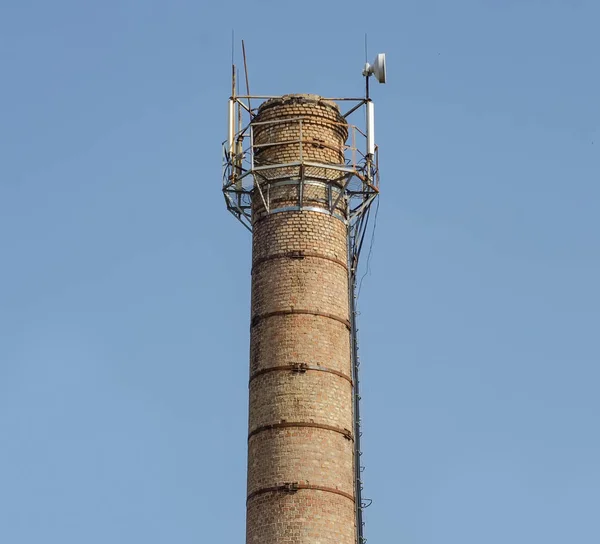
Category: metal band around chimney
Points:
column 299, row 368
column 298, row 255
column 347, row 434
column 293, row 487
column 295, row 311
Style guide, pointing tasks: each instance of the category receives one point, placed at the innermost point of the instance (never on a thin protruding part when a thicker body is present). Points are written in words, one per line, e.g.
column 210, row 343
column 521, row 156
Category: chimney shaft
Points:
column 301, row 482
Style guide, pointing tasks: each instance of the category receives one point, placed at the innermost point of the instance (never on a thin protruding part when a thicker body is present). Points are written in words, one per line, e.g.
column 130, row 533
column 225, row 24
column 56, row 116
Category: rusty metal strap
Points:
column 300, row 368
column 294, row 487
column 300, row 254
column 292, row 311
column 347, row 434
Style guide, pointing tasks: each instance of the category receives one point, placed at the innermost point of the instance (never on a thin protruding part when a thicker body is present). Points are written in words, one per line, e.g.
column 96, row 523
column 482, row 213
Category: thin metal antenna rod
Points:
column 366, row 61
column 247, row 83
column 233, row 81
column 233, row 93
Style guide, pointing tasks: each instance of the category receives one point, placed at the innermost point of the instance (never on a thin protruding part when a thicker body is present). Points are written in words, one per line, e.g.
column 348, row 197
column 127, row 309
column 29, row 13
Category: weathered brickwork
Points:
column 311, row 282
column 298, row 338
column 299, row 231
column 283, row 519
column 279, row 128
column 307, row 455
column 300, row 445
column 293, row 396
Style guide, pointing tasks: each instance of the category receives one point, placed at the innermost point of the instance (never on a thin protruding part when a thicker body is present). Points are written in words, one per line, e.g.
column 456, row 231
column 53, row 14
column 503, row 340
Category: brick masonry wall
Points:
column 300, row 417
column 281, row 124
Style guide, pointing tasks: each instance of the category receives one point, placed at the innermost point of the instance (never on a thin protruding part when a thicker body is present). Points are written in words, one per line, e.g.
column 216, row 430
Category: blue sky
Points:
column 124, row 283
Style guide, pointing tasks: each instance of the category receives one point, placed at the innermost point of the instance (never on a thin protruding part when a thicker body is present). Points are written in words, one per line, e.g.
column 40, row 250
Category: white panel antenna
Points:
column 370, row 128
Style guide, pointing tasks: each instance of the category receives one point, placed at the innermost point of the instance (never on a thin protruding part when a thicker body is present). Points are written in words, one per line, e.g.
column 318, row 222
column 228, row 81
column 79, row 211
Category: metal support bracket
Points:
column 290, row 487
column 299, row 368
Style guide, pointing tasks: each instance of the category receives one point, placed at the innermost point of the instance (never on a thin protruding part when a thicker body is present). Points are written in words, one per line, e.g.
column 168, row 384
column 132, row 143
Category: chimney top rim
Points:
column 298, row 97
